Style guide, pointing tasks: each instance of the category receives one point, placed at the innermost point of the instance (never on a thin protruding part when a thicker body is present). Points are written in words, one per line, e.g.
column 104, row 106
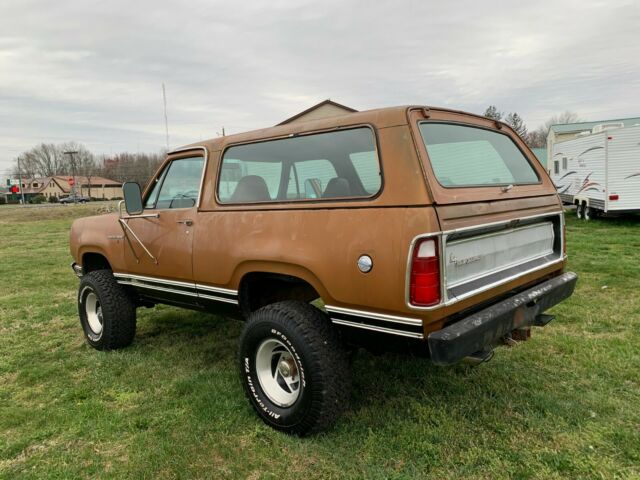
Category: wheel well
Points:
column 94, row 261
column 258, row 289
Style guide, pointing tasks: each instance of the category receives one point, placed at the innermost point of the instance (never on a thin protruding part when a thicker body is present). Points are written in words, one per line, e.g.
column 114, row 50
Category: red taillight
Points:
column 424, row 283
column 614, row 197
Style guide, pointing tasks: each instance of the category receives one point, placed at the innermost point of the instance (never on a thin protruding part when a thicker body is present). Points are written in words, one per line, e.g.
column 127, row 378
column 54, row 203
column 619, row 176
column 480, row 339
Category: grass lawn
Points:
column 565, row 404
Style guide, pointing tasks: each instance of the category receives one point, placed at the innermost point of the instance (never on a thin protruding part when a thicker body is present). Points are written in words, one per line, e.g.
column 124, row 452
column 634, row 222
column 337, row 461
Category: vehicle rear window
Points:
column 465, row 156
column 322, row 166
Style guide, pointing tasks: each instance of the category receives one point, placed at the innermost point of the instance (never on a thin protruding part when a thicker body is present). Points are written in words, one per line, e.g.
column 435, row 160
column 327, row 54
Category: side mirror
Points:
column 132, row 198
column 312, row 188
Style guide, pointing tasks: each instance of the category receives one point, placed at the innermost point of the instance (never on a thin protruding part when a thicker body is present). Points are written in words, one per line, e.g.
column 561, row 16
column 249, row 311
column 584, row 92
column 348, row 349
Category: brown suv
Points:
column 408, row 227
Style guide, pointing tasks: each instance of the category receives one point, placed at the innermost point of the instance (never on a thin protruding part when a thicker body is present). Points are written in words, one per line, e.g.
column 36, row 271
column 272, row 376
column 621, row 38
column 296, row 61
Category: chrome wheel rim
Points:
column 93, row 311
column 278, row 372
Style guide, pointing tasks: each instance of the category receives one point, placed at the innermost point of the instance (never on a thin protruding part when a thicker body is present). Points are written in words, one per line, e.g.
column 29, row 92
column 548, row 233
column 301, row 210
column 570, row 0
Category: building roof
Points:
column 317, row 106
column 63, row 183
column 583, row 126
column 541, row 154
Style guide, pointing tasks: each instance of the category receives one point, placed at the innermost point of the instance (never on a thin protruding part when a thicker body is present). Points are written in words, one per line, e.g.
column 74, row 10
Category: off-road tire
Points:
column 118, row 311
column 321, row 360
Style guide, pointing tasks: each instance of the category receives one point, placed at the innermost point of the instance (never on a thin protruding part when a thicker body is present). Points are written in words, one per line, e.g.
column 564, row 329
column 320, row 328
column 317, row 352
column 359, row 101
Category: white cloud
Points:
column 92, row 71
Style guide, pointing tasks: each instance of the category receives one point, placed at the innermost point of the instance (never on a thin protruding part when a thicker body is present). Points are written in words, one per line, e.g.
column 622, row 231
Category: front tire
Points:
column 107, row 312
column 294, row 369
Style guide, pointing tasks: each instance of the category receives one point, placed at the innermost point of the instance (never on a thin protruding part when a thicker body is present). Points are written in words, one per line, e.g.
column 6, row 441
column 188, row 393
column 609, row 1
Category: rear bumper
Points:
column 482, row 329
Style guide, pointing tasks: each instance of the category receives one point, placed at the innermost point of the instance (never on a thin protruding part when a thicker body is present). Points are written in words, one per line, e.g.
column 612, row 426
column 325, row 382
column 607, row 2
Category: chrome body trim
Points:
column 155, row 279
column 218, row 299
column 443, row 236
column 143, row 281
column 374, row 316
column 133, row 283
column 374, row 328
column 209, row 288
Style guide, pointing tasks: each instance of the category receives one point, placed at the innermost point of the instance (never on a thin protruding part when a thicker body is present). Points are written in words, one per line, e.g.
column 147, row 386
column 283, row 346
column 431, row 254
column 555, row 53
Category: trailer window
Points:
column 465, row 156
column 556, row 167
column 564, row 163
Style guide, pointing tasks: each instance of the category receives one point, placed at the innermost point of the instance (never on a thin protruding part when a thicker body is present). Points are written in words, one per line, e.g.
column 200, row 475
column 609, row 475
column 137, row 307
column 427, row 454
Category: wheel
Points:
column 107, row 312
column 589, row 213
column 294, row 369
column 579, row 211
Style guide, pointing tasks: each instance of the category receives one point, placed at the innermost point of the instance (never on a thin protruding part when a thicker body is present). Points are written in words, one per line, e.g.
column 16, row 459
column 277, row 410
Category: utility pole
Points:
column 166, row 121
column 20, row 180
column 73, row 172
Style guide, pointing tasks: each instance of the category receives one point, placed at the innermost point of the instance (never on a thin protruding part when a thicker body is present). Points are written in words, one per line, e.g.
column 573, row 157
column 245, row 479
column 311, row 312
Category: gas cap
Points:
column 365, row 264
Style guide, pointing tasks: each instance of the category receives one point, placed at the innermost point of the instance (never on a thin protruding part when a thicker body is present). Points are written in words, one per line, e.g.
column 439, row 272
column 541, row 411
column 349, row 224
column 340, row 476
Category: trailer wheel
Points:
column 589, row 213
column 579, row 211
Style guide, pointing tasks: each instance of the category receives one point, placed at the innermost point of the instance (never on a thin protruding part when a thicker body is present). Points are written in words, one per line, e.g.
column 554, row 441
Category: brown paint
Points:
column 320, row 241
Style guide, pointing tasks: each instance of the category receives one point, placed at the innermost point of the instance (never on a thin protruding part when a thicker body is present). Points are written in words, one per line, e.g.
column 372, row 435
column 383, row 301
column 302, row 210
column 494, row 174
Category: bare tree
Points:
column 493, row 113
column 562, row 118
column 515, row 121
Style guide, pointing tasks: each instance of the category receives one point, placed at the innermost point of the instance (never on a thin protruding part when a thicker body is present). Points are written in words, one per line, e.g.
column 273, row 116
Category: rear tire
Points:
column 107, row 311
column 589, row 213
column 579, row 211
column 294, row 369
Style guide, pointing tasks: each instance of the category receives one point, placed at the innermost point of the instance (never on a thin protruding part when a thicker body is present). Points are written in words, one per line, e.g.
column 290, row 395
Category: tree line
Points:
column 536, row 138
column 74, row 159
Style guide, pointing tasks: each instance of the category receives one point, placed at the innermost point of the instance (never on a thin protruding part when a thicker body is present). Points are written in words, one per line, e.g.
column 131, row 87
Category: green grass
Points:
column 565, row 404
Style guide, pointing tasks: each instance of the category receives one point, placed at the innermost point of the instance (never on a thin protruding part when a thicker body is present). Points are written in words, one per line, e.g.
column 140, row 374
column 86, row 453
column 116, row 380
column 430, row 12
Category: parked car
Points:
column 75, row 199
column 406, row 228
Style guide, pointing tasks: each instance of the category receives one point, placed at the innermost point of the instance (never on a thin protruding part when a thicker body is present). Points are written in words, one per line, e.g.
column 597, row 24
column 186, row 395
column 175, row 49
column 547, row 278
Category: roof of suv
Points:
column 381, row 117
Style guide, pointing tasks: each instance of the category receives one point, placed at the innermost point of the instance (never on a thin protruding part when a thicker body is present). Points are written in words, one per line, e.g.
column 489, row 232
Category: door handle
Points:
column 188, row 222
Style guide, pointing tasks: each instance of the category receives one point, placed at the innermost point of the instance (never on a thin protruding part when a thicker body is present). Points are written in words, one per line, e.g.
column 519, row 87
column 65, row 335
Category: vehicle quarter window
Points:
column 178, row 186
column 466, row 156
column 328, row 165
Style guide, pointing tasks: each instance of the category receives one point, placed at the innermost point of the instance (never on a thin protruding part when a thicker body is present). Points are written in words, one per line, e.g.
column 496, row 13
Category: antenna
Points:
column 166, row 122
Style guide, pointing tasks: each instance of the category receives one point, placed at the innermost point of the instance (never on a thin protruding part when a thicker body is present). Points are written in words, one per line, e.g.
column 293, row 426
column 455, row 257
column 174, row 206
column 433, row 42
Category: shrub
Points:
column 53, row 199
column 38, row 199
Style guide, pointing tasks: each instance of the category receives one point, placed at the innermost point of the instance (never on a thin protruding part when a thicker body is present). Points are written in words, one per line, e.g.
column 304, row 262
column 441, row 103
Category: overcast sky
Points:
column 91, row 71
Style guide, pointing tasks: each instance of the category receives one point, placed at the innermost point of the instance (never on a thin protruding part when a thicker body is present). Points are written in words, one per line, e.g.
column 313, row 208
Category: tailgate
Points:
column 484, row 255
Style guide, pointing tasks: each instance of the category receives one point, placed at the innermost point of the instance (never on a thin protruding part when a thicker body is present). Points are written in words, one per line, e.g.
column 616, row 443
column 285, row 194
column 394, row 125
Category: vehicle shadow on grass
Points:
column 385, row 388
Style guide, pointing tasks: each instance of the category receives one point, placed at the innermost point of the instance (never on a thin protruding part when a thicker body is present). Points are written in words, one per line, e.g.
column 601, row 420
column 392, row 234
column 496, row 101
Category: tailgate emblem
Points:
column 459, row 262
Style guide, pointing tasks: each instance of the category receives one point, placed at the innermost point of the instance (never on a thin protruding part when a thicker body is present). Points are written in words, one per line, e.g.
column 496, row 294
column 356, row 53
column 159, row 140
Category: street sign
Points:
column 71, row 181
column 14, row 181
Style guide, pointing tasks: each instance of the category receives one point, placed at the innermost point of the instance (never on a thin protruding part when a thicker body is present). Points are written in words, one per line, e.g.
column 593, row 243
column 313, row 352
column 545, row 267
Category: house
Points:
column 324, row 109
column 568, row 131
column 60, row 186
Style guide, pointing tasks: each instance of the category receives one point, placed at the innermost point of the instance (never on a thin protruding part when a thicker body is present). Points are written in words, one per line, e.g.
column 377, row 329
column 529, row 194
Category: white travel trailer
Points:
column 599, row 172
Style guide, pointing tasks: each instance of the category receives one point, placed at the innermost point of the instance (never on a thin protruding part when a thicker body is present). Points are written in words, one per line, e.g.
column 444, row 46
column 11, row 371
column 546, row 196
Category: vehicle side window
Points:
column 178, row 186
column 308, row 179
column 338, row 164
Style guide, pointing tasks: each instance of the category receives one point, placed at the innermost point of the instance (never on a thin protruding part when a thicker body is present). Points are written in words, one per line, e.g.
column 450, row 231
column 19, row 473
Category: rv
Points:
column 599, row 172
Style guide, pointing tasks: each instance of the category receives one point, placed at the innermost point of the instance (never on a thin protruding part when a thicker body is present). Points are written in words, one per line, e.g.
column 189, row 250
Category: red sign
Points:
column 15, row 189
column 71, row 181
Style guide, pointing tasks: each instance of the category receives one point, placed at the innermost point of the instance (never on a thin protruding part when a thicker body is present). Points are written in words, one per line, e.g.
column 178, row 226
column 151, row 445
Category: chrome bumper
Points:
column 77, row 269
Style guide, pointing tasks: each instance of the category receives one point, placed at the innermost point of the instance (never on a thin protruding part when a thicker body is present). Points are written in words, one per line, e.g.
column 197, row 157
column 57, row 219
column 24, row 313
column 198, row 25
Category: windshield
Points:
column 463, row 156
